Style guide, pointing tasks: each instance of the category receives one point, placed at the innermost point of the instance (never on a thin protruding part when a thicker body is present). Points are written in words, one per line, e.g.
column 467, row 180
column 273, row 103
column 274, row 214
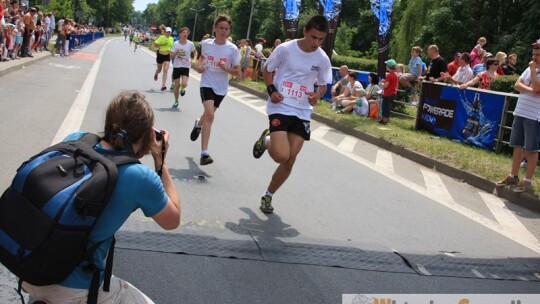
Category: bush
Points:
column 504, row 84
column 354, row 63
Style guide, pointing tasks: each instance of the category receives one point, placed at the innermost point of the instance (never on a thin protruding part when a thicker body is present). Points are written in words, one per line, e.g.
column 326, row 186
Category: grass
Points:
column 400, row 131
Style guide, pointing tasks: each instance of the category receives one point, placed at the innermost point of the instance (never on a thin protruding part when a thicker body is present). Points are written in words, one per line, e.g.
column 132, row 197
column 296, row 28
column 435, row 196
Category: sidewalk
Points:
column 525, row 200
column 21, row 63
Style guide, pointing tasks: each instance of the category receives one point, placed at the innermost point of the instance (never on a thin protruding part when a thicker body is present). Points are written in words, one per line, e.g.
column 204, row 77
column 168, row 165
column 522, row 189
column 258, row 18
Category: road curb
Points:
column 23, row 64
column 525, row 200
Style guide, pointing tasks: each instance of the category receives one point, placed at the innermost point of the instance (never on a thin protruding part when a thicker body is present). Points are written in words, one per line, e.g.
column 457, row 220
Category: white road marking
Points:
column 347, row 143
column 507, row 219
column 384, row 160
column 319, row 132
column 75, row 116
column 435, row 186
column 63, row 66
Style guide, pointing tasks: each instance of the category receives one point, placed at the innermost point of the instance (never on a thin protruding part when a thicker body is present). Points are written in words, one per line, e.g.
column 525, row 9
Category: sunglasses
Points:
column 495, row 64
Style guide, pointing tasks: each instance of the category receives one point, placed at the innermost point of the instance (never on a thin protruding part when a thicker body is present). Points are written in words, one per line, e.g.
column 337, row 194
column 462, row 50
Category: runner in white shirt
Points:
column 298, row 65
column 181, row 53
column 219, row 58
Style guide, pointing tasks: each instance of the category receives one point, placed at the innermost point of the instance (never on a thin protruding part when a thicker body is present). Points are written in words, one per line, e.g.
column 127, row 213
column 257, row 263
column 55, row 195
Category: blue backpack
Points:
column 48, row 212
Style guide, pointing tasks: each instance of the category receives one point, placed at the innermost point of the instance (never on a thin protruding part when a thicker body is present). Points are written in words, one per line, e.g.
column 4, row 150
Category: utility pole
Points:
column 250, row 16
column 195, row 23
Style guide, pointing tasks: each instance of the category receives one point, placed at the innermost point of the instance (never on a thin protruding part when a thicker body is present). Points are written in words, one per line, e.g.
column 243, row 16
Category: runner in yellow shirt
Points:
column 164, row 43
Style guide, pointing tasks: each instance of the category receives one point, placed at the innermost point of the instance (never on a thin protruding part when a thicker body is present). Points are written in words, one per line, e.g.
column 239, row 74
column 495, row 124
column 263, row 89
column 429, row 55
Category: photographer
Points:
column 128, row 127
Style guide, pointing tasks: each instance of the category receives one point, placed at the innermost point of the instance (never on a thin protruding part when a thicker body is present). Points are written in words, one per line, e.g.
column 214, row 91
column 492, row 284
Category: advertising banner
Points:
column 465, row 115
column 382, row 9
column 290, row 18
column 330, row 9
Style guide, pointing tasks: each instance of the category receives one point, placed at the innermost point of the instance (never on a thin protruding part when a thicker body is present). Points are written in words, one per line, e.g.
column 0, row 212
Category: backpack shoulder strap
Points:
column 90, row 139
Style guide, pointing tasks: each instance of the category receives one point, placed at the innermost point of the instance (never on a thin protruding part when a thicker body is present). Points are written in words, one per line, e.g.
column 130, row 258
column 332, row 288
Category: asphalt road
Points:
column 352, row 218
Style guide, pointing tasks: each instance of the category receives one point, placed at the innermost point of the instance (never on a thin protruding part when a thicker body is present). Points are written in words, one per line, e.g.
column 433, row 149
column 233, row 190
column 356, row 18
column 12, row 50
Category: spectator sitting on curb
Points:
column 360, row 106
column 342, row 100
column 342, row 83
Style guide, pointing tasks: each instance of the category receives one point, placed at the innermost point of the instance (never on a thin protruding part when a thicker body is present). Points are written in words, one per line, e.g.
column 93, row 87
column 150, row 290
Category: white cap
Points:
column 168, row 29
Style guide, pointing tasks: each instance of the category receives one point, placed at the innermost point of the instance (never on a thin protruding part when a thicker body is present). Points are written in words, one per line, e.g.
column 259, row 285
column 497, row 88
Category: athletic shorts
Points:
column 525, row 133
column 177, row 72
column 289, row 124
column 160, row 58
column 208, row 94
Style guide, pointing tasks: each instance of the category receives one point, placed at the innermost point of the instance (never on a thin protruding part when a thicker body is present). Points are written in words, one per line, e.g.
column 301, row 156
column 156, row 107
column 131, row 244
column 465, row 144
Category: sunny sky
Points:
column 140, row 5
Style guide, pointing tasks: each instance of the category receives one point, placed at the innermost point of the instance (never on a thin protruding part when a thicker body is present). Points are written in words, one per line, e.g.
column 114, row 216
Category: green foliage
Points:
column 368, row 65
column 504, row 84
column 344, row 38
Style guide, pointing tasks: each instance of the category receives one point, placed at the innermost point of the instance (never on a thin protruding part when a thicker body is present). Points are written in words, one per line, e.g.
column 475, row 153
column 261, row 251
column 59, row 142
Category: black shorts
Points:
column 292, row 124
column 178, row 72
column 162, row 58
column 208, row 94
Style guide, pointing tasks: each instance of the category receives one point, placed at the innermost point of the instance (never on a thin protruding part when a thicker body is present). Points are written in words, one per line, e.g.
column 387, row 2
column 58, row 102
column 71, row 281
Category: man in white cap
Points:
column 164, row 44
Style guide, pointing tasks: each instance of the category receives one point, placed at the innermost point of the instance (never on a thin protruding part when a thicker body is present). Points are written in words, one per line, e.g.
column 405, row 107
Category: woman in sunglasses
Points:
column 484, row 78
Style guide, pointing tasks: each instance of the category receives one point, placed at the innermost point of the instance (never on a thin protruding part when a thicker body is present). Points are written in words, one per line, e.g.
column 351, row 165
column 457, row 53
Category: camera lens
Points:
column 159, row 135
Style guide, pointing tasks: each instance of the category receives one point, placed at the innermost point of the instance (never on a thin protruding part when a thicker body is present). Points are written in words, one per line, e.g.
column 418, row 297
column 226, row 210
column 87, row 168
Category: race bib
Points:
column 212, row 63
column 294, row 94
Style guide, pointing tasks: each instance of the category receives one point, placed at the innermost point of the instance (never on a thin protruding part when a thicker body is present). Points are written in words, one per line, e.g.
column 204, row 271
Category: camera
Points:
column 159, row 135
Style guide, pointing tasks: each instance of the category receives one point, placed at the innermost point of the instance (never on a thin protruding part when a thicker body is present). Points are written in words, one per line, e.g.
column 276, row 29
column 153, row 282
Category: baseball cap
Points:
column 168, row 29
column 391, row 63
column 488, row 55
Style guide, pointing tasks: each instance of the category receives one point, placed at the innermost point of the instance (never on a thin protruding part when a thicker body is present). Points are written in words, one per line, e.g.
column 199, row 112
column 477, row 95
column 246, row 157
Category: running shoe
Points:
column 163, row 88
column 259, row 147
column 508, row 181
column 523, row 186
column 196, row 131
column 175, row 105
column 266, row 204
column 182, row 92
column 172, row 86
column 155, row 77
column 206, row 160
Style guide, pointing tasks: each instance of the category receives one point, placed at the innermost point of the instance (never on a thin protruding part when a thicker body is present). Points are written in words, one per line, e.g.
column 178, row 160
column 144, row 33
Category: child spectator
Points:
column 478, row 51
column 415, row 70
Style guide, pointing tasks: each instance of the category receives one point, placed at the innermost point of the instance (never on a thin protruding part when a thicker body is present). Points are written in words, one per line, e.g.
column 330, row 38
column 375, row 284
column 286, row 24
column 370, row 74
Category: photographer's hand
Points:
column 158, row 150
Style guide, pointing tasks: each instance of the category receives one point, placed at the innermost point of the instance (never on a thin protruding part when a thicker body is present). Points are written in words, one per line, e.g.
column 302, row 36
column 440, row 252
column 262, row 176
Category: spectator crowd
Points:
column 25, row 30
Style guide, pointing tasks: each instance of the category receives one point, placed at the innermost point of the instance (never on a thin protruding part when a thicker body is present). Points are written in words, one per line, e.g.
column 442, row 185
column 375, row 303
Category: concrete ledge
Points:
column 525, row 200
column 11, row 66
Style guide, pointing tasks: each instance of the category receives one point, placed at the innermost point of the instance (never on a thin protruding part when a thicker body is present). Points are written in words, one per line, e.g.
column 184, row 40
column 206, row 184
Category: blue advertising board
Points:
column 468, row 116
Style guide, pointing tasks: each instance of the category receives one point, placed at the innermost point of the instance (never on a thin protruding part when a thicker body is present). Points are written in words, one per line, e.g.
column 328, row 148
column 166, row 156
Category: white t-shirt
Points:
column 296, row 72
column 528, row 105
column 357, row 84
column 183, row 59
column 214, row 77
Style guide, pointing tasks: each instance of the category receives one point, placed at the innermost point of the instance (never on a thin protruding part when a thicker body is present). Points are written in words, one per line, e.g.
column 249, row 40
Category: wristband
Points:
column 271, row 89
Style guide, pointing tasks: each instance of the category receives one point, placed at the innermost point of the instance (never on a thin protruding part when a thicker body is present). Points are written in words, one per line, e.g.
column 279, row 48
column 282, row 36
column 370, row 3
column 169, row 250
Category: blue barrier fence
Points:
column 79, row 40
column 362, row 76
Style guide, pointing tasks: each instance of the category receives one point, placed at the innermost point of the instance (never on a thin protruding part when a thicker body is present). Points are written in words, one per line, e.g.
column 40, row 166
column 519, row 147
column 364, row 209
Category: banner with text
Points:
column 468, row 116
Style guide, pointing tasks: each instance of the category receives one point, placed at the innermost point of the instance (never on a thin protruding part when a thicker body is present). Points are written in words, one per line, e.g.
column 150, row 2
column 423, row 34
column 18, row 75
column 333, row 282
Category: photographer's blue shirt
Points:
column 137, row 187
